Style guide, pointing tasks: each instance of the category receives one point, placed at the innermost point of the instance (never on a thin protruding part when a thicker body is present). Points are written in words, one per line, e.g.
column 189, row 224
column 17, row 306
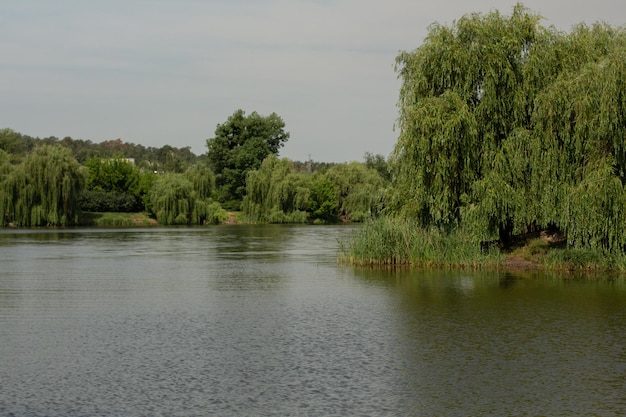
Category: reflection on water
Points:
column 259, row 320
column 505, row 344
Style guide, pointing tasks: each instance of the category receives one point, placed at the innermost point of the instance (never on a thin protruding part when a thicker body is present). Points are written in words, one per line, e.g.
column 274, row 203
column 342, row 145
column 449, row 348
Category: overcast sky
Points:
column 158, row 72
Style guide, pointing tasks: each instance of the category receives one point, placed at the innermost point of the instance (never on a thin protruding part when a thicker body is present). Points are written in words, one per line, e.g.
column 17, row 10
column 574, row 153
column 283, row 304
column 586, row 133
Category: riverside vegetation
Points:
column 511, row 152
column 47, row 182
column 507, row 129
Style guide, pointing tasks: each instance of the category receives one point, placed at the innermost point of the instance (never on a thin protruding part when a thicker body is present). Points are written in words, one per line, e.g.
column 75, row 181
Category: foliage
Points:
column 278, row 193
column 107, row 219
column 395, row 241
column 171, row 199
column 323, row 199
column 5, row 163
column 5, row 198
column 112, row 185
column 146, row 180
column 109, row 201
column 9, row 140
column 202, row 180
column 164, row 159
column 507, row 127
column 275, row 193
column 43, row 190
column 587, row 259
column 359, row 190
column 185, row 198
column 380, row 164
column 239, row 146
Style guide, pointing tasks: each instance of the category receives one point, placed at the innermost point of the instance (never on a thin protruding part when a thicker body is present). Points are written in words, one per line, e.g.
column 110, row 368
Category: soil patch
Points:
column 526, row 251
column 519, row 263
column 231, row 218
column 143, row 220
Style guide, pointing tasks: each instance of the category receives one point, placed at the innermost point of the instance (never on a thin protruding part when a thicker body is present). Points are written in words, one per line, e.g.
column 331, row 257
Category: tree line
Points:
column 53, row 182
column 166, row 158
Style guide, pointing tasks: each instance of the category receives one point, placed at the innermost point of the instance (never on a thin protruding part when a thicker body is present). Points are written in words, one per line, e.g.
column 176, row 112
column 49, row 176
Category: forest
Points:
column 52, row 182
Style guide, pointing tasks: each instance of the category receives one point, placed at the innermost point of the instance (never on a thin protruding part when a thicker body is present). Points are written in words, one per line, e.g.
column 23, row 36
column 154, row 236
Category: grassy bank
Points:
column 136, row 219
column 388, row 242
column 399, row 242
column 116, row 219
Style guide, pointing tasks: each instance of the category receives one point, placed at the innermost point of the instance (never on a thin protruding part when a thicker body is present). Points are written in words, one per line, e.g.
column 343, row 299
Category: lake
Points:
column 260, row 320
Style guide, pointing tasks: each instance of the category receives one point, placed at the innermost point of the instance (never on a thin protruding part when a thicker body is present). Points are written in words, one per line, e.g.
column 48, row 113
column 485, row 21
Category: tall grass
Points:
column 108, row 219
column 578, row 259
column 392, row 241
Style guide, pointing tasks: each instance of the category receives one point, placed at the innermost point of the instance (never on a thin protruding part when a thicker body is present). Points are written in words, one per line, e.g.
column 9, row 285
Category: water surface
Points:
column 260, row 321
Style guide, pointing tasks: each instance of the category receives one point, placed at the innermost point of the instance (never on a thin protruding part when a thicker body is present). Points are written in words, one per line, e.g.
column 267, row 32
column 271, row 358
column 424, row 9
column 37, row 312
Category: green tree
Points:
column 324, row 198
column 17, row 144
column 461, row 95
column 172, row 159
column 380, row 164
column 171, row 199
column 202, row 179
column 5, row 163
column 9, row 140
column 5, row 198
column 507, row 126
column 112, row 185
column 239, row 146
column 43, row 190
column 185, row 198
column 114, row 174
column 275, row 193
column 278, row 193
column 359, row 190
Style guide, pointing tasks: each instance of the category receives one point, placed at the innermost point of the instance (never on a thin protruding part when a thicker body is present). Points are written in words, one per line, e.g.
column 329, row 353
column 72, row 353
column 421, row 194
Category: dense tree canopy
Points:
column 508, row 126
column 115, row 174
column 240, row 145
column 164, row 159
column 185, row 198
column 176, row 190
column 42, row 190
column 278, row 193
column 113, row 185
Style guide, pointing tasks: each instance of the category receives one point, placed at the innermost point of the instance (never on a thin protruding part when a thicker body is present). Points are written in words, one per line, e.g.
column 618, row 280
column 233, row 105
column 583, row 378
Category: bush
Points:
column 109, row 201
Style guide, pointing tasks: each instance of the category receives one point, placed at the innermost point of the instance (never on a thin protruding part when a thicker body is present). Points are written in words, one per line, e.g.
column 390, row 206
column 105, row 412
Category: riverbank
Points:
column 376, row 245
column 105, row 219
column 402, row 243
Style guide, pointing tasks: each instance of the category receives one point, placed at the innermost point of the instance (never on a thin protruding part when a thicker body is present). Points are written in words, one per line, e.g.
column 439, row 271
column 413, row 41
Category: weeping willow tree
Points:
column 5, row 198
column 171, row 199
column 185, row 198
column 275, row 193
column 359, row 190
column 461, row 95
column 202, row 180
column 580, row 122
column 43, row 190
column 507, row 126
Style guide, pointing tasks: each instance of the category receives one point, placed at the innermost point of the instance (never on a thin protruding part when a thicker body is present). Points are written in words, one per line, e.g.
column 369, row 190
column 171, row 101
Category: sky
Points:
column 166, row 72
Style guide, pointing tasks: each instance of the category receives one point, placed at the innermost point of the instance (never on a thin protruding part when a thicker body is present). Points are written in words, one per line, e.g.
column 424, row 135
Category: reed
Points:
column 585, row 259
column 390, row 241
